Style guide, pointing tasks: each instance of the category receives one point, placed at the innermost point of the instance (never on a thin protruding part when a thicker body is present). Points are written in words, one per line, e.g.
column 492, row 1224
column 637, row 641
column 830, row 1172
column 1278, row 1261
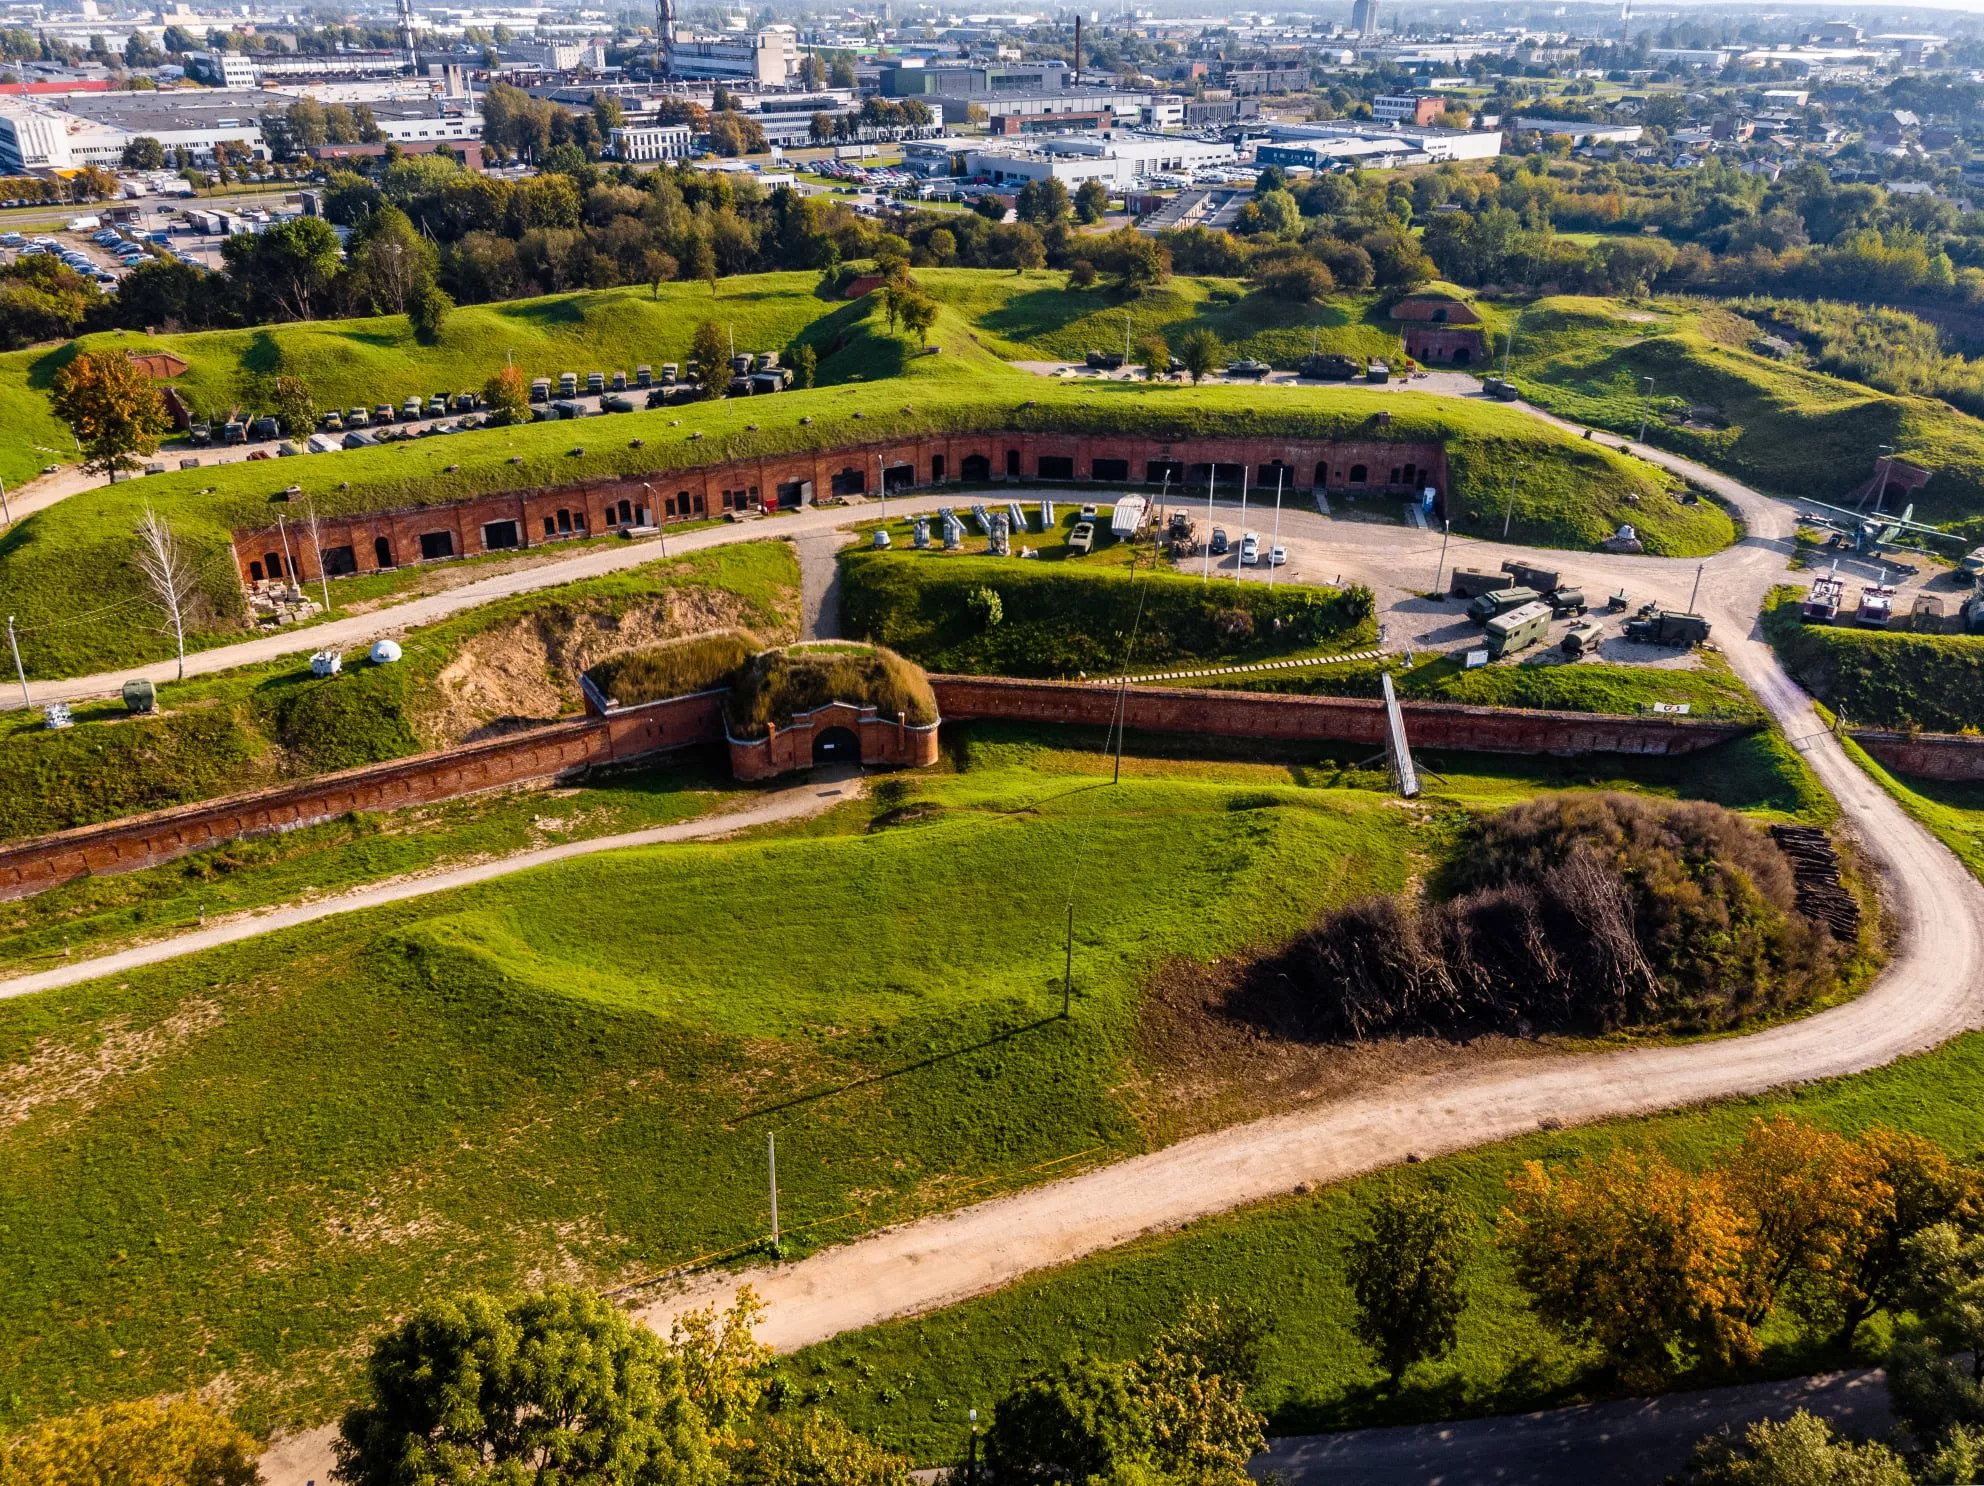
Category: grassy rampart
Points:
column 1877, row 679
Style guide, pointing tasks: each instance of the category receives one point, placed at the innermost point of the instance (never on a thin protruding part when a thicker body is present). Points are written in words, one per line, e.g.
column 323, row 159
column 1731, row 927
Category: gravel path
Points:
column 824, row 788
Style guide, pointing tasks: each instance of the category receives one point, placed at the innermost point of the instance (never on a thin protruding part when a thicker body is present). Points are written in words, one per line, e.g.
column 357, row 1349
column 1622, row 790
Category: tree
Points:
column 919, row 313
column 508, row 395
column 428, row 313
column 1270, row 214
column 179, row 1442
column 1407, row 1273
column 1042, row 202
column 391, row 263
column 43, row 299
column 1644, row 1261
column 296, row 409
column 484, row 1390
column 144, row 153
column 702, row 263
column 815, row 1449
column 1799, row 1451
column 289, row 268
column 1200, row 351
column 1296, row 279
column 112, row 406
column 1072, row 1422
column 1091, row 201
column 1081, row 274
column 707, row 348
column 658, row 268
column 803, row 361
column 812, row 73
column 169, row 576
column 1153, row 355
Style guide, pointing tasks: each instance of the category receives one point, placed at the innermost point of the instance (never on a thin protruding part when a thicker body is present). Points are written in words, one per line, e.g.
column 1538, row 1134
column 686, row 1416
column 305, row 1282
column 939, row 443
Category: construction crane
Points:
column 1871, row 535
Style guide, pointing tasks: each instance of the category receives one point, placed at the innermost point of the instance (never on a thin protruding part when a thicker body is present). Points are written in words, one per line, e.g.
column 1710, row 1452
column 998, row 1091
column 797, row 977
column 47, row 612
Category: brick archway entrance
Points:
column 836, row 746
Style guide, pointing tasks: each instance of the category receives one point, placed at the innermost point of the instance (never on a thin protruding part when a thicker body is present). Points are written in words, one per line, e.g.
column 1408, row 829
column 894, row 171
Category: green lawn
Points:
column 236, row 1166
column 94, row 915
column 1783, row 428
column 240, row 729
column 1574, row 492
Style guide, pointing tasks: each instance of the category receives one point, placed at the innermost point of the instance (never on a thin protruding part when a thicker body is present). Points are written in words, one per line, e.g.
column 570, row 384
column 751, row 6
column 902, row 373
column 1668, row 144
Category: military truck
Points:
column 1181, row 535
column 1518, row 629
column 1523, row 575
column 1973, row 617
column 1566, row 601
column 1500, row 390
column 1501, row 601
column 1971, row 568
column 1327, row 366
column 1471, row 583
column 1662, row 627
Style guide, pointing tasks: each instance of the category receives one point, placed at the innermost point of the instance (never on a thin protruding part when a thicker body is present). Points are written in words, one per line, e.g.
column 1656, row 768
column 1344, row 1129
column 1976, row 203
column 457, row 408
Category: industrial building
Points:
column 647, row 142
column 913, row 78
column 1320, row 146
column 1116, row 159
column 769, row 57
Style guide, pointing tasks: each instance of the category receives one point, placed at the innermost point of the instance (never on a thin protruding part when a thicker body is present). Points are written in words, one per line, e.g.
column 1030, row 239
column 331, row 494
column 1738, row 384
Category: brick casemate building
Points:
column 1439, row 331
column 1371, row 462
column 839, row 732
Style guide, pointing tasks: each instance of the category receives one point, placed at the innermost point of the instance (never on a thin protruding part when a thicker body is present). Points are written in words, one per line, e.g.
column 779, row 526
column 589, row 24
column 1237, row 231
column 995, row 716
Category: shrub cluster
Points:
column 778, row 684
column 674, row 670
column 1931, row 682
column 1577, row 912
column 1059, row 620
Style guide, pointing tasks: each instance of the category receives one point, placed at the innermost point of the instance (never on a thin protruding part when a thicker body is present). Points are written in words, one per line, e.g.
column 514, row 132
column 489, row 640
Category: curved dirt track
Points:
column 1932, row 989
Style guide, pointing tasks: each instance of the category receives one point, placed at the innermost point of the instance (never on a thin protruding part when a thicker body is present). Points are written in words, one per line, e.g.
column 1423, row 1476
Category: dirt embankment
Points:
column 526, row 672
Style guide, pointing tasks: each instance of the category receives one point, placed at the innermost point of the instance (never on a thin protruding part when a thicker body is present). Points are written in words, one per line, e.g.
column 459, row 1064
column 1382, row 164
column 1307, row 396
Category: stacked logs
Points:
column 1815, row 867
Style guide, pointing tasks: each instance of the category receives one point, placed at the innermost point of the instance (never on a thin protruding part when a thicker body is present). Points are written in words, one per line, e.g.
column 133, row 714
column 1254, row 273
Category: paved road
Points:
column 1634, row 1442
column 823, row 789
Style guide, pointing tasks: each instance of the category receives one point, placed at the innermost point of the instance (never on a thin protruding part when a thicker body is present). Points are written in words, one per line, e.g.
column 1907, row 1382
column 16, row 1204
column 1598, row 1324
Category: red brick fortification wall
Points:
column 533, row 518
column 542, row 753
column 1227, row 714
column 1931, row 755
column 885, row 743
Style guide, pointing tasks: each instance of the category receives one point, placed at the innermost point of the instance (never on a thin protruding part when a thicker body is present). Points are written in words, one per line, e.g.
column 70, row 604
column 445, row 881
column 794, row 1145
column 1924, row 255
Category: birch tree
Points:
column 168, row 574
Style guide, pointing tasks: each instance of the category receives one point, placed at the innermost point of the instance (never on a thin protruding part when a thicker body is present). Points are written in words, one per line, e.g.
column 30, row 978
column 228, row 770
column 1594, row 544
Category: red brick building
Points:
column 839, row 732
column 1439, row 331
column 1373, row 463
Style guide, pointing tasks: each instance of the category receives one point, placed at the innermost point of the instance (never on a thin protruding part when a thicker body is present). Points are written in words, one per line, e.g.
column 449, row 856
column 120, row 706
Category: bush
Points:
column 1583, row 912
column 986, row 606
column 674, row 670
column 779, row 684
column 1060, row 619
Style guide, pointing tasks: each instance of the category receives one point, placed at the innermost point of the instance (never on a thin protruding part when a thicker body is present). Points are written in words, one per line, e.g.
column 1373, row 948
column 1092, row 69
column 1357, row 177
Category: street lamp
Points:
column 1646, row 406
column 660, row 519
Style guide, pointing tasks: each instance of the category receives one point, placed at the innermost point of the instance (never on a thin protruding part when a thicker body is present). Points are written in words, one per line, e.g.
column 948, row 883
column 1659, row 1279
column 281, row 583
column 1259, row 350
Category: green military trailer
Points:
column 1519, row 628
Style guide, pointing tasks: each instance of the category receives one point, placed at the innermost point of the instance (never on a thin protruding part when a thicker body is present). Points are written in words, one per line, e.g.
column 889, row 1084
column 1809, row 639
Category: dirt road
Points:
column 823, row 789
column 1928, row 993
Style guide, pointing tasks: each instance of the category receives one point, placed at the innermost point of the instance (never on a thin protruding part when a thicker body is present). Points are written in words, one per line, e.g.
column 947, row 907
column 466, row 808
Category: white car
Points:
column 1277, row 556
column 1250, row 548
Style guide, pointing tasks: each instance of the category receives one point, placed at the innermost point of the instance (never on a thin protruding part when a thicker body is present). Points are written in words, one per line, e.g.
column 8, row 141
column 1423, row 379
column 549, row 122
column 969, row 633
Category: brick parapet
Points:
column 1949, row 756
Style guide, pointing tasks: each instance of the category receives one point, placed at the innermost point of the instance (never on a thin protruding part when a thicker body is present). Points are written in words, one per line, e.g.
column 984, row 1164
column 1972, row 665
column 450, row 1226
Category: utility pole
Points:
column 1280, row 474
column 1509, row 515
column 27, row 703
column 771, row 1163
column 1695, row 592
column 1446, row 531
column 1243, row 525
column 5, row 509
column 1509, row 347
column 1646, row 406
column 660, row 517
column 1213, row 470
column 971, row 1468
column 1067, row 1005
column 882, row 488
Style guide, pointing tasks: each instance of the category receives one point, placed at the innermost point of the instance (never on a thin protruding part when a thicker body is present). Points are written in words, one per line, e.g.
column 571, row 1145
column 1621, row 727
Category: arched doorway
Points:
column 977, row 468
column 1357, row 474
column 1461, row 356
column 836, row 746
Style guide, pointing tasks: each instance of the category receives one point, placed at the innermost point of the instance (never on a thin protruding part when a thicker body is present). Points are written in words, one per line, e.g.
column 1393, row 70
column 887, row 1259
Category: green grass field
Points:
column 239, row 729
column 94, row 915
column 1574, row 494
column 234, row 1167
column 1878, row 679
column 1782, row 428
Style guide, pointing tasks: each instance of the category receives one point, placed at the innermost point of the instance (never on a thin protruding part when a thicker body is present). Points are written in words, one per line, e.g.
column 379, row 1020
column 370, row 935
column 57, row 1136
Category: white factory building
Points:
column 1319, row 146
column 644, row 142
column 1114, row 159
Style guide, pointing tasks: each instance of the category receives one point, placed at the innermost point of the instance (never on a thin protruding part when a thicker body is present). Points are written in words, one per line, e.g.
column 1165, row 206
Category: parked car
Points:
column 1277, row 556
column 1218, row 546
column 383, row 413
column 1250, row 548
column 437, row 407
column 333, row 421
column 410, row 411
column 357, row 418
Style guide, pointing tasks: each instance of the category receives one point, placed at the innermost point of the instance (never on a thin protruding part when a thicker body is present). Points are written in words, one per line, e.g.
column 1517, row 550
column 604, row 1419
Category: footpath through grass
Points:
column 95, row 915
column 233, row 1168
column 498, row 666
column 1781, row 428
